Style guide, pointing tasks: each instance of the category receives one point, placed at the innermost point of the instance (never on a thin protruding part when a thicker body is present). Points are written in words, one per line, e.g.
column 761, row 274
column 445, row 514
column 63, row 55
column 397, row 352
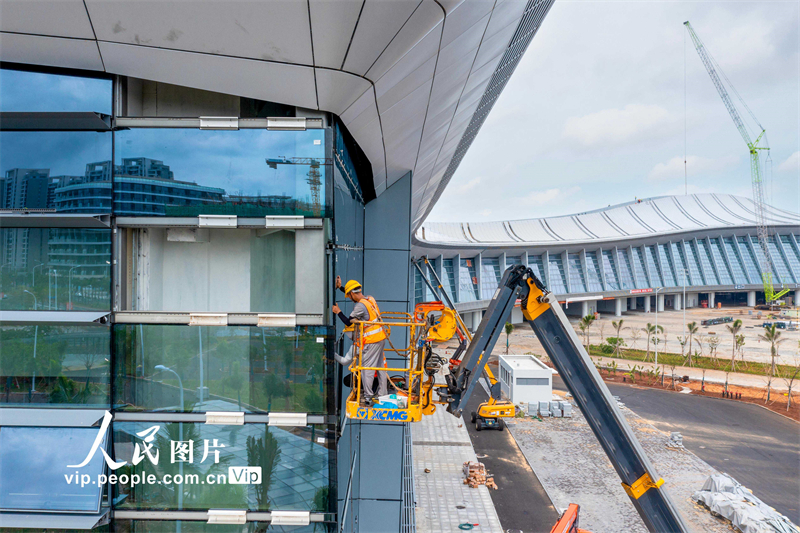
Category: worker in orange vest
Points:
column 373, row 339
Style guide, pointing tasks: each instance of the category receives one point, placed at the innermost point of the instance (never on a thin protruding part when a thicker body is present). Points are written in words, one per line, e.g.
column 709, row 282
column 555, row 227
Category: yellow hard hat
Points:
column 350, row 286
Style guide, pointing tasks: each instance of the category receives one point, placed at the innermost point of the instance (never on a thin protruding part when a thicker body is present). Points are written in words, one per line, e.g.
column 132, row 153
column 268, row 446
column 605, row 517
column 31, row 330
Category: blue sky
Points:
column 594, row 114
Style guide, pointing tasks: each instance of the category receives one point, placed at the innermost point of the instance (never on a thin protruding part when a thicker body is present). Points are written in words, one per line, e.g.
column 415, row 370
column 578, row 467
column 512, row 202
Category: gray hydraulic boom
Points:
column 544, row 314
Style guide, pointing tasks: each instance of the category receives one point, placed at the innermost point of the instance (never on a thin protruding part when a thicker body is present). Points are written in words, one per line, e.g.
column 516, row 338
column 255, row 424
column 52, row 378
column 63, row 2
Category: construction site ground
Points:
column 758, row 448
column 673, row 324
column 573, row 467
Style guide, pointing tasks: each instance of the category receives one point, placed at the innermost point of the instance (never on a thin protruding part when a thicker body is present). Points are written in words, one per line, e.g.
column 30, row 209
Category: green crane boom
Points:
column 755, row 163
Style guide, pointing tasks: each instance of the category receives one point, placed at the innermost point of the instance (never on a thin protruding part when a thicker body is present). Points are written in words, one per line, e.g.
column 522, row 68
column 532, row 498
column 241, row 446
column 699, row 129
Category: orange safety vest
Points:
column 373, row 333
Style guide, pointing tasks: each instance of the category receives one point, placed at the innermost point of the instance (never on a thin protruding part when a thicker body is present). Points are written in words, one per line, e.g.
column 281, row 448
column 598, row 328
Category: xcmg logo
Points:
column 394, row 415
column 361, row 413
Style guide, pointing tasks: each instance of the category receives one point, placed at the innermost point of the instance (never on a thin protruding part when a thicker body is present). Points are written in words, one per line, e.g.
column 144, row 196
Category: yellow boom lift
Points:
column 417, row 393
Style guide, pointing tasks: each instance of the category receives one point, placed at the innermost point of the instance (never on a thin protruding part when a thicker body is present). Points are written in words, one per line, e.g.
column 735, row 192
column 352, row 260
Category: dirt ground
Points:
column 777, row 403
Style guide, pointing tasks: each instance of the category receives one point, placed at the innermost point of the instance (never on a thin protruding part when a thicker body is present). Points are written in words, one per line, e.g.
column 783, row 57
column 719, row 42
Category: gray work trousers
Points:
column 373, row 356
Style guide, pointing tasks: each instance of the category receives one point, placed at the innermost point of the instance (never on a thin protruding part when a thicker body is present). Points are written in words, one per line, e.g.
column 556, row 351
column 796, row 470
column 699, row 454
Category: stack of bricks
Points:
column 475, row 474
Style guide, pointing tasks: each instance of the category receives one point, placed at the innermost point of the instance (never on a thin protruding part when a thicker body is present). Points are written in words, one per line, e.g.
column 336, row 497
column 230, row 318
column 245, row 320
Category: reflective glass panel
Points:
column 168, row 368
column 297, row 466
column 535, row 263
column 680, row 263
column 66, row 171
column 736, row 261
column 666, row 266
column 779, row 261
column 577, row 283
column 490, row 277
column 558, row 279
column 625, row 270
column 49, row 269
column 215, row 270
column 448, row 278
column 610, row 271
column 61, row 366
column 593, row 270
column 36, row 91
column 468, row 282
column 791, row 253
column 511, row 261
column 694, row 265
column 33, row 466
column 419, row 287
column 750, row 261
column 722, row 265
column 705, row 261
column 641, row 271
column 249, row 173
column 652, row 265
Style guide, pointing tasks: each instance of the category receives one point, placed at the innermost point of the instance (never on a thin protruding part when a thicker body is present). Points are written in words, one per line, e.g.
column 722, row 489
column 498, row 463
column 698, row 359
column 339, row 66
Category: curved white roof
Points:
column 644, row 218
column 412, row 80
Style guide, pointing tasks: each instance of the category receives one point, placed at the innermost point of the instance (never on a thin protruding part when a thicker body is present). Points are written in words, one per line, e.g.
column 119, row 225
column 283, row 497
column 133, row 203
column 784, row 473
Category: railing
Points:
column 407, row 387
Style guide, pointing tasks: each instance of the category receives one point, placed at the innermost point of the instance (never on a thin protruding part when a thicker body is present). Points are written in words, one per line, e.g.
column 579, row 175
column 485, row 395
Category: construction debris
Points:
column 675, row 441
column 726, row 497
column 475, row 475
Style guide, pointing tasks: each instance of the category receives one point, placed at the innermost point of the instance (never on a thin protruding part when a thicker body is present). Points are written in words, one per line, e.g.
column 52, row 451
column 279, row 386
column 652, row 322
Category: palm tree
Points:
column 773, row 337
column 635, row 334
column 734, row 329
column 509, row 329
column 617, row 325
column 585, row 325
column 651, row 331
column 691, row 329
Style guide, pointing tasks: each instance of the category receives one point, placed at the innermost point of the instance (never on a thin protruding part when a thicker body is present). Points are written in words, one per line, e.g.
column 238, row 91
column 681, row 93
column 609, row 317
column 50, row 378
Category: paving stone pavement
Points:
column 573, row 467
column 442, row 444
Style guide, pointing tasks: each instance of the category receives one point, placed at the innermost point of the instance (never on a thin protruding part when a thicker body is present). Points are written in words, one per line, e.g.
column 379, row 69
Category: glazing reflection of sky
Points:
column 232, row 160
column 64, row 153
column 33, row 91
column 33, row 462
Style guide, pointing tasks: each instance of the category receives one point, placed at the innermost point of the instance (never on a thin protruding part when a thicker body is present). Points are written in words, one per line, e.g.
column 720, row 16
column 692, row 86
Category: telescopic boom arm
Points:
column 543, row 313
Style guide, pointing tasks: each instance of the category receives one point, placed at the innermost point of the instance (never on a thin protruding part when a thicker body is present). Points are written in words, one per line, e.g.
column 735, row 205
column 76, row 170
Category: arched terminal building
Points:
column 618, row 258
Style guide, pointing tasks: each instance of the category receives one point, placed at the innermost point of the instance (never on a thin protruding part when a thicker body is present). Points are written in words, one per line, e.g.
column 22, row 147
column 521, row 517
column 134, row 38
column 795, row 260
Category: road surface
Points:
column 521, row 502
column 757, row 447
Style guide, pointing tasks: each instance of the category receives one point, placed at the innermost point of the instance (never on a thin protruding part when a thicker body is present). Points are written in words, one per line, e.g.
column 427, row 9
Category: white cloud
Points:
column 614, row 126
column 547, row 196
column 466, row 187
column 674, row 168
column 792, row 164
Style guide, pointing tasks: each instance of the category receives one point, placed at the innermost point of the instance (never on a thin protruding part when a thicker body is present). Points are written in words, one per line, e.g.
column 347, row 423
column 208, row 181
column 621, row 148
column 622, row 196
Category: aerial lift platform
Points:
column 416, row 384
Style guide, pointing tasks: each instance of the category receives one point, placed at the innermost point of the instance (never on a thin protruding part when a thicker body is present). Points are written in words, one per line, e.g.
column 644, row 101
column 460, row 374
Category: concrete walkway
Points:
column 712, row 376
column 441, row 443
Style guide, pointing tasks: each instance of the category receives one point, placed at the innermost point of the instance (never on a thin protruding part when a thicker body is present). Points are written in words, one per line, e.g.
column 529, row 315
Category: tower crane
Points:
column 314, row 176
column 754, row 147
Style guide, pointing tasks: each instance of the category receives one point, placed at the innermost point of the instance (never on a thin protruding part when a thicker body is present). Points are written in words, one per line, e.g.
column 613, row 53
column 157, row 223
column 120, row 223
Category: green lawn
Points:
column 720, row 363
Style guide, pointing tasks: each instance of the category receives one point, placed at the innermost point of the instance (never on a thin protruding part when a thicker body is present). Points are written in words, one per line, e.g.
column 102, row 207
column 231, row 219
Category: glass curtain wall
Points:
column 468, row 281
column 593, row 270
column 248, row 173
column 490, row 276
column 60, row 166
